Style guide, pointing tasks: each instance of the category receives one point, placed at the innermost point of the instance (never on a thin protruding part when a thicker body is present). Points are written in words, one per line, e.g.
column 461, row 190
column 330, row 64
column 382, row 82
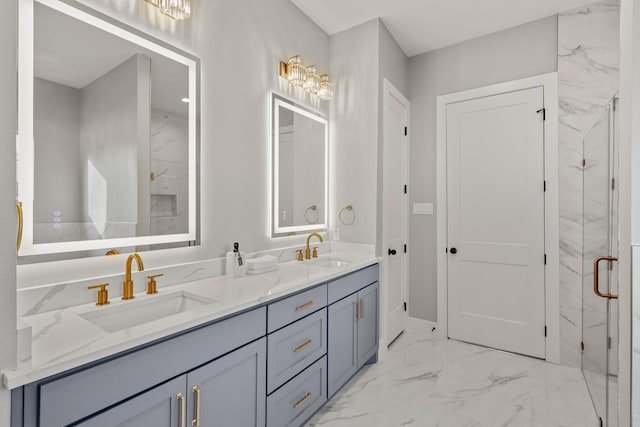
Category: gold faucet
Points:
column 307, row 252
column 127, row 288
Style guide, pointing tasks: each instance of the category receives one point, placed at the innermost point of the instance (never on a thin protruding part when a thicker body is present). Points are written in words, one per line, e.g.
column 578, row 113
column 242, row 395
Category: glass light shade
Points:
column 326, row 88
column 295, row 71
column 176, row 9
column 311, row 81
column 156, row 3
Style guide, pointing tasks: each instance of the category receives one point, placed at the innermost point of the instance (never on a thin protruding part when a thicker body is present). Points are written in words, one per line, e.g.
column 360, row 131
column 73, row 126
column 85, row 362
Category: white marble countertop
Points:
column 63, row 340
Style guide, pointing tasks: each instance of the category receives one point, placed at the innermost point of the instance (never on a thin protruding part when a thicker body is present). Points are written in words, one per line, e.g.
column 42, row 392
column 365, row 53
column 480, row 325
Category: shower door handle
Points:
column 596, row 286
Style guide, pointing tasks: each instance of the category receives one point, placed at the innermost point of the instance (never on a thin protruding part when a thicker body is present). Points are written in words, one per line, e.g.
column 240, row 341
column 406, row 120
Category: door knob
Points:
column 392, row 252
column 453, row 251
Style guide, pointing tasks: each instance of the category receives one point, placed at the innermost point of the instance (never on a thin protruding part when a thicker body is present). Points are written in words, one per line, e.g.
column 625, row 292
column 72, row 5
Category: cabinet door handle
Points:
column 301, row 401
column 302, row 347
column 183, row 416
column 358, row 309
column 362, row 309
column 196, row 392
column 20, row 225
column 304, row 306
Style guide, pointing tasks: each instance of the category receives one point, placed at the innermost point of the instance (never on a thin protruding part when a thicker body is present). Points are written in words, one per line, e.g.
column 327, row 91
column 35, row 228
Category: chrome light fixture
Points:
column 306, row 77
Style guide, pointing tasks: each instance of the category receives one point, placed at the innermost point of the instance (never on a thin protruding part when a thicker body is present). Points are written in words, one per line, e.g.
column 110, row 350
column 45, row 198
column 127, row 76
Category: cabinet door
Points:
column 342, row 354
column 368, row 323
column 158, row 407
column 230, row 391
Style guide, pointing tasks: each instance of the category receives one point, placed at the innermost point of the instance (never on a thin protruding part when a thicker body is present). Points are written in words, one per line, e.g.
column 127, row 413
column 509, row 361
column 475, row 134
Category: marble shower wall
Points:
column 588, row 74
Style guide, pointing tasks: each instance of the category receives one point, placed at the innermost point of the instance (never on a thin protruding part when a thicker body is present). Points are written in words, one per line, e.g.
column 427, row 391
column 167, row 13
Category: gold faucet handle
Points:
column 315, row 253
column 152, row 286
column 103, row 293
column 299, row 257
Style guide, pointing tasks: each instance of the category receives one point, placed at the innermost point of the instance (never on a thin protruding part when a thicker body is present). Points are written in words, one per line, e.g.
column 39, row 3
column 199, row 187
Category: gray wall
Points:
column 56, row 132
column 354, row 130
column 519, row 52
column 8, row 125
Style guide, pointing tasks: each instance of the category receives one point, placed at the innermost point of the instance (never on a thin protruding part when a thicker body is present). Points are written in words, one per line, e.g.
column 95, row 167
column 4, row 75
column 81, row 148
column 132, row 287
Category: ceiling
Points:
column 423, row 25
column 72, row 53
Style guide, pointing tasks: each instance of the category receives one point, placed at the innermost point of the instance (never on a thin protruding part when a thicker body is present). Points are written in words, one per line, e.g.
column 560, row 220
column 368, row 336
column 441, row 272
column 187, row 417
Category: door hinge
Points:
column 545, row 259
column 545, row 330
column 544, row 113
column 584, row 162
column 405, row 248
column 582, row 345
column 544, row 186
column 613, row 183
column 405, row 131
column 609, row 341
column 405, row 306
column 405, row 189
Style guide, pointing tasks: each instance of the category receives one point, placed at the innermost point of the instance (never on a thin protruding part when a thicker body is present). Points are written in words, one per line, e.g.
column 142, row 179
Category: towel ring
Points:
column 353, row 213
column 312, row 208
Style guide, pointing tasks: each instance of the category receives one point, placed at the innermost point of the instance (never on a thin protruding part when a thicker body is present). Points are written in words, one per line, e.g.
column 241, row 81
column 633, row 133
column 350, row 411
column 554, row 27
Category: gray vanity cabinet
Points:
column 353, row 335
column 158, row 407
column 368, row 323
column 229, row 392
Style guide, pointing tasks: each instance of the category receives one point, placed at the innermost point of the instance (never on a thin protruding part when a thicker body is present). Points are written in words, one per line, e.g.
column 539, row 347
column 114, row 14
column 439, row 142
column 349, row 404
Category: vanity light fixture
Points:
column 306, row 77
column 326, row 88
column 176, row 9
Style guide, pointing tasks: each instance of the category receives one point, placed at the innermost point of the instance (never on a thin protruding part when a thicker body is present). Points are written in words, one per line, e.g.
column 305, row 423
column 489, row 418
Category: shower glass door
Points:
column 600, row 239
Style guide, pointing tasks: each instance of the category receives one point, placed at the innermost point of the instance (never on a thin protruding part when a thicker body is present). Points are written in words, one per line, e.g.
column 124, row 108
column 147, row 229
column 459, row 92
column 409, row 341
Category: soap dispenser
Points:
column 236, row 265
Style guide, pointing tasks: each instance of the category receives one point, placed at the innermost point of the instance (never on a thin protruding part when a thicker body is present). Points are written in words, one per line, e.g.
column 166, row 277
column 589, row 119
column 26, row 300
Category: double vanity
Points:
column 263, row 350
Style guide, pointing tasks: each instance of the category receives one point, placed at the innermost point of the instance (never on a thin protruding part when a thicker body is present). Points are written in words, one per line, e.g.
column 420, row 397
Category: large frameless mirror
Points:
column 107, row 134
column 300, row 173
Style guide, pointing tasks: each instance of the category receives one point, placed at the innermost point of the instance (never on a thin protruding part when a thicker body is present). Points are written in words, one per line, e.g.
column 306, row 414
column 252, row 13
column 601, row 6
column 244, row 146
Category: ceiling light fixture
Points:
column 306, row 77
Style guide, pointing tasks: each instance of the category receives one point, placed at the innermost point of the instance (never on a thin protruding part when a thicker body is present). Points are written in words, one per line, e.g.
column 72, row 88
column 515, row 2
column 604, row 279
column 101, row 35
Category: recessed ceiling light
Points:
column 185, row 99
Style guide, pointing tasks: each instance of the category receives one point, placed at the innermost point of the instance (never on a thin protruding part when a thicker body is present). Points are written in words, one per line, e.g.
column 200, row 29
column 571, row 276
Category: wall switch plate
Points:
column 423, row 208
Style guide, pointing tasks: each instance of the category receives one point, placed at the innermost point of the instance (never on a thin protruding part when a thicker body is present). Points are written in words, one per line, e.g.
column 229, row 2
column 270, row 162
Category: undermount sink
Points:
column 329, row 262
column 137, row 312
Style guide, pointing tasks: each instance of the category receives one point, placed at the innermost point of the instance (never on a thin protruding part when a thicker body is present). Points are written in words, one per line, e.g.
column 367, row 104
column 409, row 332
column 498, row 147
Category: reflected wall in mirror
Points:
column 300, row 173
column 113, row 134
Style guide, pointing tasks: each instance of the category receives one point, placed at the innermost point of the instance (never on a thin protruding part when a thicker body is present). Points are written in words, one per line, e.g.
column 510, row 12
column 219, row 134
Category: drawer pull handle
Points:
column 302, row 347
column 304, row 306
column 196, row 421
column 301, row 401
column 183, row 416
column 358, row 309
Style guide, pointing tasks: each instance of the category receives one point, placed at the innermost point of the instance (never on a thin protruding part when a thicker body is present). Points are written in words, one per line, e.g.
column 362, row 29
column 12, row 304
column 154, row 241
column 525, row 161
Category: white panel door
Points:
column 495, row 177
column 396, row 117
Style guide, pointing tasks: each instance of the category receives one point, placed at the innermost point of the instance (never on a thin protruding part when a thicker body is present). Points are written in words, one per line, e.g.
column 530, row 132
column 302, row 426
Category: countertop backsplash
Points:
column 57, row 296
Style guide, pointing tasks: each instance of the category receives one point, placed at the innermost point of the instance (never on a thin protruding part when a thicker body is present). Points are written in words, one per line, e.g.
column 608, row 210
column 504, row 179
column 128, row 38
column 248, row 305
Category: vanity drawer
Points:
column 300, row 398
column 290, row 309
column 295, row 347
column 80, row 394
column 347, row 285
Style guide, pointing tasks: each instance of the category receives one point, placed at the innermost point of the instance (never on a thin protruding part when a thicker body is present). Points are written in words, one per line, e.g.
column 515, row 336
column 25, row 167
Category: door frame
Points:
column 390, row 90
column 549, row 83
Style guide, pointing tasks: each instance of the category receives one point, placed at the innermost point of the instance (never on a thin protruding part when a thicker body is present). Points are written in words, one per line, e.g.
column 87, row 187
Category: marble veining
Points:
column 428, row 381
column 63, row 340
column 588, row 75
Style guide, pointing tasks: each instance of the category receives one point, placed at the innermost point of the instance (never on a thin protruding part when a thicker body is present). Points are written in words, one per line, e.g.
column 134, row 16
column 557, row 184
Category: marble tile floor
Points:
column 427, row 381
